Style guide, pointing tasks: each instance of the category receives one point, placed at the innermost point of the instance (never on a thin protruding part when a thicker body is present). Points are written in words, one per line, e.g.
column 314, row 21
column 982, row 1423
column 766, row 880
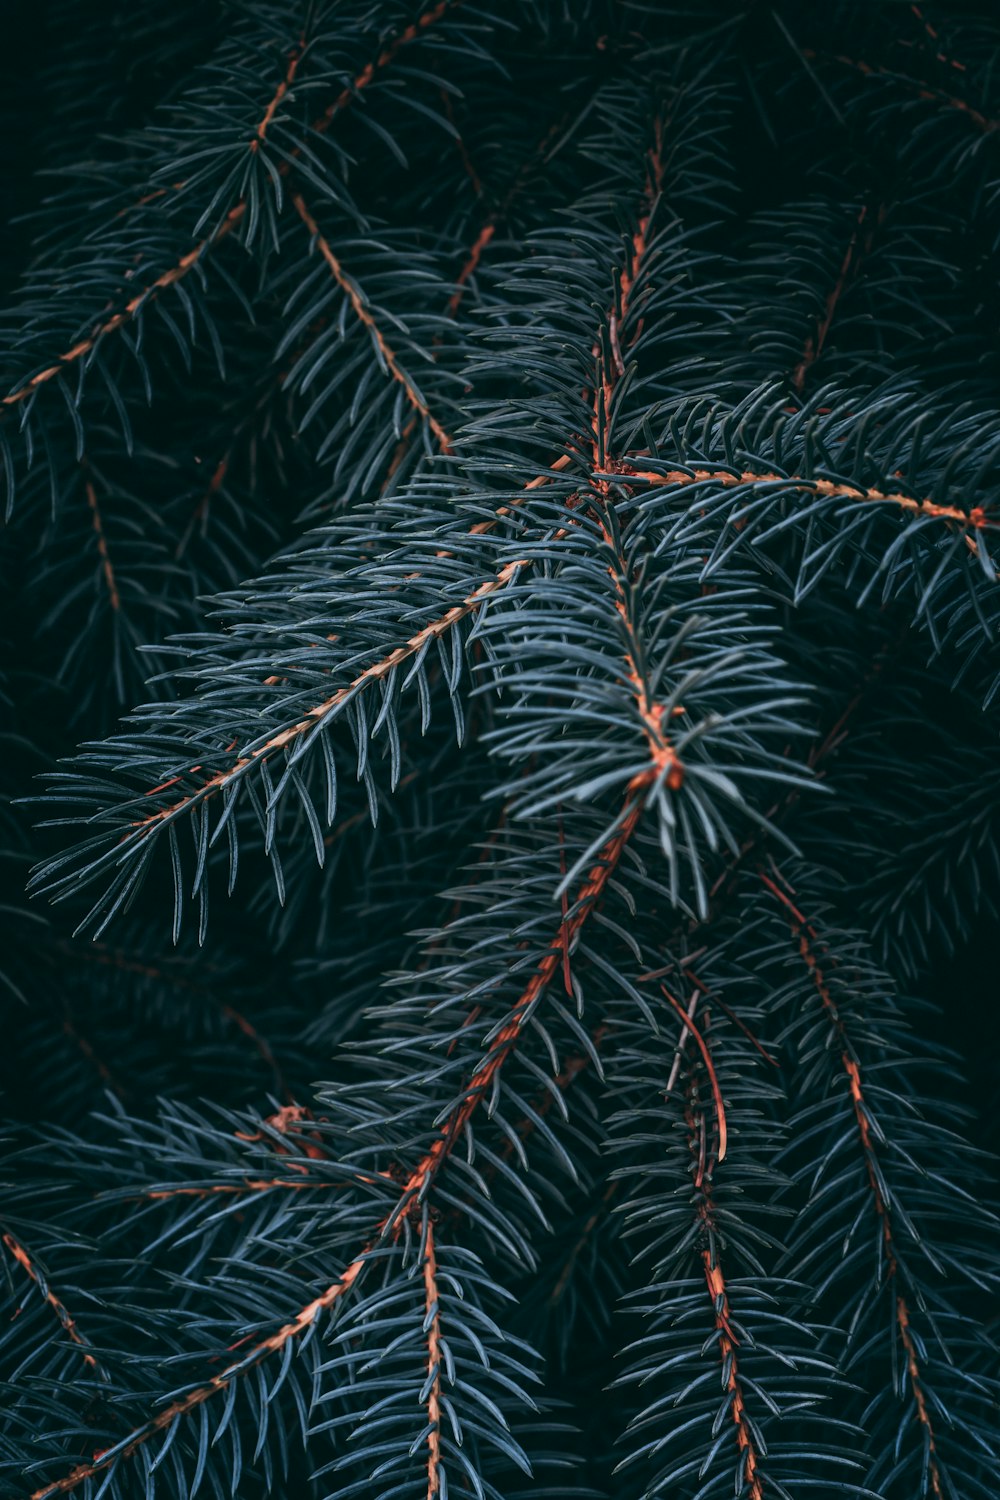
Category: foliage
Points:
column 534, row 466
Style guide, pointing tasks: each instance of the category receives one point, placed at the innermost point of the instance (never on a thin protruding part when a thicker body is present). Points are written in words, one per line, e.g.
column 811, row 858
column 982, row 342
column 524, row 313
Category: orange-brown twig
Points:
column 728, row 1355
column 726, row 1337
column 480, row 243
column 917, row 86
column 102, row 546
column 651, row 714
column 975, row 519
column 120, row 319
column 550, row 965
column 687, row 1023
column 809, row 944
column 389, row 51
column 361, row 311
column 373, row 673
column 433, row 1321
column 24, row 1260
column 856, row 247
column 490, row 225
column 416, row 1183
column 932, row 33
column 282, row 89
column 237, row 213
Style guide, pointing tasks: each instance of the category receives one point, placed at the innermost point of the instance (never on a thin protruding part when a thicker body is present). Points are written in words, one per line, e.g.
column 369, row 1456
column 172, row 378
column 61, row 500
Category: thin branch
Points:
column 687, row 1023
column 281, row 91
column 69, row 1326
column 857, row 249
column 651, row 714
column 368, row 73
column 102, row 546
column 361, row 311
column 918, row 86
column 934, row 35
column 468, row 165
column 728, row 1357
column 809, row 944
column 373, row 673
column 481, row 1081
column 120, row 319
column 828, row 488
column 472, row 261
column 499, row 213
column 237, row 213
column 977, row 518
column 750, row 1481
column 432, row 1327
column 418, row 1181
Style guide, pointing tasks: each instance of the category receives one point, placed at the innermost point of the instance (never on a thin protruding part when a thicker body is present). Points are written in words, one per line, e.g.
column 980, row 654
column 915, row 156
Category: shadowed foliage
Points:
column 507, row 1015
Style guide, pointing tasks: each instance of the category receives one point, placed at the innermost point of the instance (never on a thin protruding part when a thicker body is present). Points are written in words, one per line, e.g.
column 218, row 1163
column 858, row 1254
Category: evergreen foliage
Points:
column 496, row 1027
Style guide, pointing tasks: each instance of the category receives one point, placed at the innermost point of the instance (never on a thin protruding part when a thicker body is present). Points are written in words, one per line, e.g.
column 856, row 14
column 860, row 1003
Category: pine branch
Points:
column 414, row 1188
column 37, row 1275
column 364, row 316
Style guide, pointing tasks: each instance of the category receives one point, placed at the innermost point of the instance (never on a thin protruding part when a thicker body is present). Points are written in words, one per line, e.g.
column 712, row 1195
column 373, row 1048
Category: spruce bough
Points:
column 535, row 467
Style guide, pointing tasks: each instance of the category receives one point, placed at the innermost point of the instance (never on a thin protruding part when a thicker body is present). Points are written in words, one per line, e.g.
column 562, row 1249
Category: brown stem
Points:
column 364, row 316
column 24, row 1260
column 857, row 249
column 651, row 714
column 237, row 213
column 728, row 1342
column 809, row 945
column 280, row 92
column 433, row 1319
column 918, row 86
column 102, row 546
column 976, row 518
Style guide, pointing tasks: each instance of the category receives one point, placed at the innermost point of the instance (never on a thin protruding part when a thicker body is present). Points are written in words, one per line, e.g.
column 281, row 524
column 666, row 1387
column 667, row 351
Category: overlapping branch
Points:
column 66, row 1320
column 239, row 211
column 417, row 1182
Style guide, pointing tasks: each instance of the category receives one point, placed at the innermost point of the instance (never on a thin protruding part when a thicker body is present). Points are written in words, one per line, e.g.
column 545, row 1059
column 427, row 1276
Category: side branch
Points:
column 409, row 34
column 975, row 519
column 922, row 90
column 857, row 250
column 238, row 212
column 808, row 941
column 373, row 673
column 726, row 1338
column 102, row 547
column 419, row 1180
column 280, row 92
column 364, row 316
column 432, row 1327
column 128, row 312
column 551, row 965
column 728, row 1355
column 664, row 757
column 24, row 1260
